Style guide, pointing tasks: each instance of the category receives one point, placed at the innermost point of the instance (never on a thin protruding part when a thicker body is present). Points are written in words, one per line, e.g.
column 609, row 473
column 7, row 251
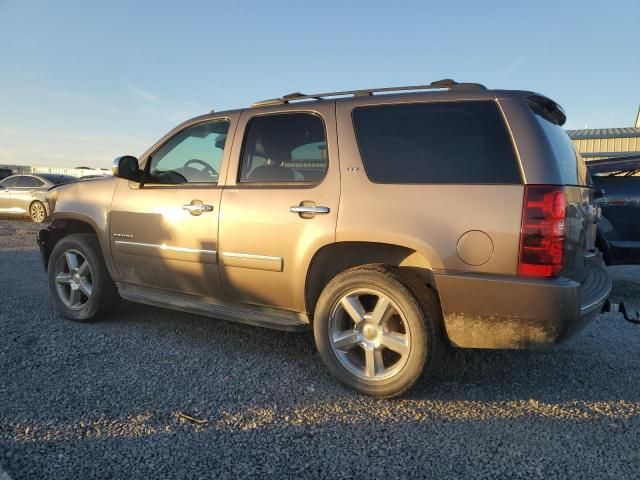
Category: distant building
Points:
column 74, row 172
column 594, row 143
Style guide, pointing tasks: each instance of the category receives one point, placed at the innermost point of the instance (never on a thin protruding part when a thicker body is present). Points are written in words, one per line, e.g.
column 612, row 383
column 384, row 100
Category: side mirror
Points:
column 127, row 167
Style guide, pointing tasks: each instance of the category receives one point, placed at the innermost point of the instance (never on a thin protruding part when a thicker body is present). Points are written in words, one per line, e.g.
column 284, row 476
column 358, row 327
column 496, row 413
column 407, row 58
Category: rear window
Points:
column 572, row 167
column 30, row 182
column 58, row 179
column 455, row 142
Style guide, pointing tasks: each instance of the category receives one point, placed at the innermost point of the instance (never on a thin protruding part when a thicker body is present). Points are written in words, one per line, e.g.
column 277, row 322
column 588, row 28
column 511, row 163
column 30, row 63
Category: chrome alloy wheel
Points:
column 37, row 212
column 73, row 279
column 369, row 334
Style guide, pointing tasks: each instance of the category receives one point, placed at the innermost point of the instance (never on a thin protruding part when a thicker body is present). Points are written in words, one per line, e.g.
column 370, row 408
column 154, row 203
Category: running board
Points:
column 242, row 313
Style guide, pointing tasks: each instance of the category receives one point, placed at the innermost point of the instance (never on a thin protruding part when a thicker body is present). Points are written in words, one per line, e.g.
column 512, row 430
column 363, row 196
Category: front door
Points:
column 8, row 187
column 23, row 194
column 279, row 205
column 164, row 234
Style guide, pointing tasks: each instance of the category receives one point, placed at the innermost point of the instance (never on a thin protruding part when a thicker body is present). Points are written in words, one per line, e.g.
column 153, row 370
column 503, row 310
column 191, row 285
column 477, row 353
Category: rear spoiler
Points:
column 547, row 108
column 629, row 163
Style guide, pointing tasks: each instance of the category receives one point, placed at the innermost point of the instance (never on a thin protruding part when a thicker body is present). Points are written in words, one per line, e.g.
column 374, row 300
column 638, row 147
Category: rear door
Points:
column 280, row 203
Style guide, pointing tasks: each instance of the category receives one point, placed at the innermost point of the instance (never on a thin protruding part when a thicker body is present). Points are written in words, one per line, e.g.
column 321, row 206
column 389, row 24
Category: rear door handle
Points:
column 196, row 207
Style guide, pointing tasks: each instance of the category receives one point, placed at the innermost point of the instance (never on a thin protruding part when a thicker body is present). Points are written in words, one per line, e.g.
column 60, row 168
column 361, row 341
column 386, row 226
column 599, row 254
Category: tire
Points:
column 394, row 310
column 79, row 281
column 37, row 212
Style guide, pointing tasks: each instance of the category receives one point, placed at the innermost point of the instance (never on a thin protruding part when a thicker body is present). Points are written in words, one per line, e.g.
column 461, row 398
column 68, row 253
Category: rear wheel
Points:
column 78, row 279
column 37, row 212
column 376, row 329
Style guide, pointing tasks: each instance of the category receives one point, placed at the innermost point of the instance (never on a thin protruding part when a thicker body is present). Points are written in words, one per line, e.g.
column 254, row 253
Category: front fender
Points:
column 81, row 207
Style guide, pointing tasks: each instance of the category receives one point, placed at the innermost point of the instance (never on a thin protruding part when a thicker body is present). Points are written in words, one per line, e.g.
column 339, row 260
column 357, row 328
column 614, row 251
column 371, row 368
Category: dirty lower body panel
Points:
column 496, row 311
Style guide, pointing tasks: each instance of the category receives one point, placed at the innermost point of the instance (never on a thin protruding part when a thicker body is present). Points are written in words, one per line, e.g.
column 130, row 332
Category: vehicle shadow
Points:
column 117, row 387
column 584, row 368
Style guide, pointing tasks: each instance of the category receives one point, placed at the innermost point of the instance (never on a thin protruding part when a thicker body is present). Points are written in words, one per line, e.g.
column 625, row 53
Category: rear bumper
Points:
column 495, row 311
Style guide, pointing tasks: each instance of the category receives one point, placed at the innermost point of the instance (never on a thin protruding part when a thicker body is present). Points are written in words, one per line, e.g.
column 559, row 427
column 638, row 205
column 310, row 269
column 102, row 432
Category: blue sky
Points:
column 82, row 82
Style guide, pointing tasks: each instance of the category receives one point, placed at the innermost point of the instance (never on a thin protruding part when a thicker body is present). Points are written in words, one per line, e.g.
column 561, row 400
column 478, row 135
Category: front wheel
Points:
column 377, row 329
column 79, row 281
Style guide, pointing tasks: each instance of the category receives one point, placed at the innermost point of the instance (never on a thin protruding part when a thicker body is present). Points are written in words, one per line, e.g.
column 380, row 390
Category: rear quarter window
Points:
column 452, row 142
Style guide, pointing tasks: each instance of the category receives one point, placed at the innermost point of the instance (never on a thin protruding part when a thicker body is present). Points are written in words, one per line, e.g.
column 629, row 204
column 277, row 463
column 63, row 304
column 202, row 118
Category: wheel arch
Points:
column 63, row 226
column 44, row 204
column 334, row 258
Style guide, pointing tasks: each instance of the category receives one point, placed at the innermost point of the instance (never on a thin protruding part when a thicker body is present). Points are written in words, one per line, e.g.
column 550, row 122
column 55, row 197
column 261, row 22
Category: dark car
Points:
column 619, row 229
column 5, row 172
column 24, row 195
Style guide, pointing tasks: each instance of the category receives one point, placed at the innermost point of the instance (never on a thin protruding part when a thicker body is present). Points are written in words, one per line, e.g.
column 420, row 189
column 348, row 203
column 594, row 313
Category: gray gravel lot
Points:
column 104, row 400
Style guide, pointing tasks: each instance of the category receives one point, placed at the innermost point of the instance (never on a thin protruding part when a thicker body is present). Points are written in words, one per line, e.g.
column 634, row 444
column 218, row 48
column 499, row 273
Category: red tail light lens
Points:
column 543, row 231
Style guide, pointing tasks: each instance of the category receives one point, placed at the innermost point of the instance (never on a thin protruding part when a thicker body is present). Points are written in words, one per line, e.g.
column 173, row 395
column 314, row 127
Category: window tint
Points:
column 289, row 147
column 572, row 166
column 10, row 181
column 456, row 142
column 58, row 179
column 193, row 155
column 30, row 182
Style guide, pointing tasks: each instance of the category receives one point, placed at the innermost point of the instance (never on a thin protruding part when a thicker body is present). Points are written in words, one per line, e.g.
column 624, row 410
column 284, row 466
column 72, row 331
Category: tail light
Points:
column 543, row 231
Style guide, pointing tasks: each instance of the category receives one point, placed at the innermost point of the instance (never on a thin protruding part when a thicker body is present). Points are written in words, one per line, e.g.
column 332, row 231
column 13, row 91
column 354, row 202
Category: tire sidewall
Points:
column 392, row 285
column 88, row 246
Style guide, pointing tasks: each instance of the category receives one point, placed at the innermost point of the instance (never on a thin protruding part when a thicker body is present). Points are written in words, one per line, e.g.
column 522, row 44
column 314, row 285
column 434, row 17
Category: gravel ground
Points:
column 105, row 400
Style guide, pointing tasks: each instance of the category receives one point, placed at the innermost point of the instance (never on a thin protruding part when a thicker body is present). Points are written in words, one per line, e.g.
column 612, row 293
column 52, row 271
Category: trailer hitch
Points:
column 621, row 308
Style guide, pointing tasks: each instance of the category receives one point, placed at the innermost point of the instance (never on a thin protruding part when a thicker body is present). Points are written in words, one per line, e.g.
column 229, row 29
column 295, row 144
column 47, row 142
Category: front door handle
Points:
column 196, row 207
column 309, row 210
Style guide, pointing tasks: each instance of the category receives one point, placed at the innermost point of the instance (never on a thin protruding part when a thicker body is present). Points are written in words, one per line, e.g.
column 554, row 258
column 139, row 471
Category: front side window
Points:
column 30, row 182
column 289, row 147
column 192, row 156
column 440, row 142
column 10, row 181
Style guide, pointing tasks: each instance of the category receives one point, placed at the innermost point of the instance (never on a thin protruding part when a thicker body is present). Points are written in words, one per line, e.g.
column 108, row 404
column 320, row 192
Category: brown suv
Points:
column 393, row 221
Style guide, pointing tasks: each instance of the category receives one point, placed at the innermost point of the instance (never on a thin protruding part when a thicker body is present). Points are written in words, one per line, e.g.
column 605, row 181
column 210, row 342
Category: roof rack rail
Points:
column 439, row 84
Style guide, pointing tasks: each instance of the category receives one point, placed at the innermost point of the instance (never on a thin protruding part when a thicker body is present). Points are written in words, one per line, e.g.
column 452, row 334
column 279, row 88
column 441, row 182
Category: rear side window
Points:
column 30, row 182
column 285, row 147
column 456, row 142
